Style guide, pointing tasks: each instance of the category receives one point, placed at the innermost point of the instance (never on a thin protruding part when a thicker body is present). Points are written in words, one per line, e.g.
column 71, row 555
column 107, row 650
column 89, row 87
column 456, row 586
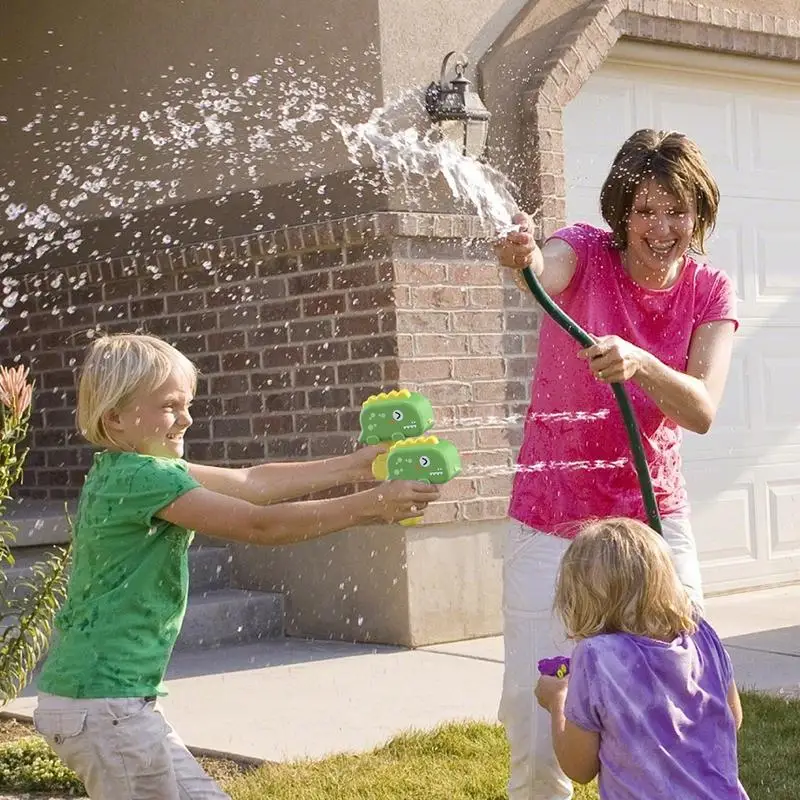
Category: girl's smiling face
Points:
column 154, row 422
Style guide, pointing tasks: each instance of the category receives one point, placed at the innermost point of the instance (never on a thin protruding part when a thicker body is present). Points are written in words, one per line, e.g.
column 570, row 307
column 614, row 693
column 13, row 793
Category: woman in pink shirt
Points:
column 664, row 325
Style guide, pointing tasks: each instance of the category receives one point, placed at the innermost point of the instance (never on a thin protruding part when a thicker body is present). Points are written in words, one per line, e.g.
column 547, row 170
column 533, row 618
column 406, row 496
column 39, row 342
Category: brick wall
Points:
column 292, row 331
column 465, row 339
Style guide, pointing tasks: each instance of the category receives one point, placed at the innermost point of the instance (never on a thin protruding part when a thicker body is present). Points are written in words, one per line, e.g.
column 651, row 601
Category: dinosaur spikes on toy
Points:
column 415, row 440
column 394, row 393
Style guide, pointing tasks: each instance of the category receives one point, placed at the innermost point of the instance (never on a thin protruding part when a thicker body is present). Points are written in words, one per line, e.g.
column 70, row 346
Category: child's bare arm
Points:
column 271, row 483
column 577, row 750
column 229, row 518
column 735, row 703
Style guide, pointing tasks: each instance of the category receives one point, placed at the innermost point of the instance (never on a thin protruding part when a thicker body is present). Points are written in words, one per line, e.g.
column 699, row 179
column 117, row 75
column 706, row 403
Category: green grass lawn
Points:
column 769, row 747
column 466, row 761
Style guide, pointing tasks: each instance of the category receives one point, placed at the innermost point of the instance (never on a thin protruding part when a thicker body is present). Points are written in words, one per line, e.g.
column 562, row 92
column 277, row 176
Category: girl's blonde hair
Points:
column 115, row 368
column 617, row 577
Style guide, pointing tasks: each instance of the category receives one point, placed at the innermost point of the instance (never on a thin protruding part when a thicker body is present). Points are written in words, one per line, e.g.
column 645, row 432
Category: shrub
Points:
column 26, row 609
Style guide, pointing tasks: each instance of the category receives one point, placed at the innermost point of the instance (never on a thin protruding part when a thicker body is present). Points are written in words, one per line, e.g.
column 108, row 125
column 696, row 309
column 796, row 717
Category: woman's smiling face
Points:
column 660, row 229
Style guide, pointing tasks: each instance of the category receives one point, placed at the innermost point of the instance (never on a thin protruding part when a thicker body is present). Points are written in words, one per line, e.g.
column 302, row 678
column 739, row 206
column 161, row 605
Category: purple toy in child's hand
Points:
column 557, row 667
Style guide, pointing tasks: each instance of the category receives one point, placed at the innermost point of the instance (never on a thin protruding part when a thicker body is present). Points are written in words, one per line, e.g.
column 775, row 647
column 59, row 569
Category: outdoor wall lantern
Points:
column 459, row 112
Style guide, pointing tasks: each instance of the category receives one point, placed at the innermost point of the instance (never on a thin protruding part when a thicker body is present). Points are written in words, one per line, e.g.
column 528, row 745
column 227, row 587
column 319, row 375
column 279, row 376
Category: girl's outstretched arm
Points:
column 224, row 517
column 270, row 483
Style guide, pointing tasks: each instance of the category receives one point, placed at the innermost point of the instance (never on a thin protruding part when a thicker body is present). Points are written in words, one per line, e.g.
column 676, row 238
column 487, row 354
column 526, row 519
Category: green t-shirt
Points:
column 127, row 592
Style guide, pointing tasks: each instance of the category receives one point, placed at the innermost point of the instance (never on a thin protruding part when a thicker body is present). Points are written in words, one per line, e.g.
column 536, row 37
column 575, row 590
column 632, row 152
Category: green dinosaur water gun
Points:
column 391, row 417
column 423, row 458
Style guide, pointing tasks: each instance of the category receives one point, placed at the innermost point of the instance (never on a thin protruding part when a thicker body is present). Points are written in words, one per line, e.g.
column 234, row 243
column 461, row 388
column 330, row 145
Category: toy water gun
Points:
column 557, row 667
column 391, row 417
column 423, row 458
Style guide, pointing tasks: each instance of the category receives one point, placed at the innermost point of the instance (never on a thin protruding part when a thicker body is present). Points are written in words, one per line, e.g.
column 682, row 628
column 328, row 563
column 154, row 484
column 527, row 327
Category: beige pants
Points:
column 122, row 749
column 531, row 632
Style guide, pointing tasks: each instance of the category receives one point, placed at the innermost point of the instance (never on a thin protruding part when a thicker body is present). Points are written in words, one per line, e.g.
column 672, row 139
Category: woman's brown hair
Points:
column 674, row 161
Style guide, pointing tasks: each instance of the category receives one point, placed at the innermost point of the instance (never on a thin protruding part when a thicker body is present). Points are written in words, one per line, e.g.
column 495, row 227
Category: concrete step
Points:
column 230, row 616
column 225, row 617
column 45, row 522
column 209, row 568
column 40, row 522
column 217, row 614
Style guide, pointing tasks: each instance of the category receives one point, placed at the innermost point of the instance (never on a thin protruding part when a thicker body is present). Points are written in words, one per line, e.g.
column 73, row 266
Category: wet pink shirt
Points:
column 575, row 461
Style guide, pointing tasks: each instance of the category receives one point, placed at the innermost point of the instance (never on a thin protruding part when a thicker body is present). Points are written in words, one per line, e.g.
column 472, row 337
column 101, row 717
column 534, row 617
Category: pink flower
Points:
column 15, row 391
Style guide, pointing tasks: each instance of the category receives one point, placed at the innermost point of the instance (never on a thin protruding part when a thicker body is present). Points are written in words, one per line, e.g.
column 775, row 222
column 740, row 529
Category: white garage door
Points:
column 743, row 477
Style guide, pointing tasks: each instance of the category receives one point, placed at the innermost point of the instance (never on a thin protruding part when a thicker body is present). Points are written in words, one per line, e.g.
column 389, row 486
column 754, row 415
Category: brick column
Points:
column 453, row 327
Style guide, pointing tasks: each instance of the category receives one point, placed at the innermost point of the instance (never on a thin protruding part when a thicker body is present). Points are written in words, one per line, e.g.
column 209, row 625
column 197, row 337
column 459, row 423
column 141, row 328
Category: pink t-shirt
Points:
column 575, row 461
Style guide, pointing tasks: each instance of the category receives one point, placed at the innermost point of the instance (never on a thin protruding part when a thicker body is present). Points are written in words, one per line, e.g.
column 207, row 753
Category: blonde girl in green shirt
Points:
column 129, row 584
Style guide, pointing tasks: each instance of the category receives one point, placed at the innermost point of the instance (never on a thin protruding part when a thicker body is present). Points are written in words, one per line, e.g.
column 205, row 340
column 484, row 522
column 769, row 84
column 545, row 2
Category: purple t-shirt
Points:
column 575, row 459
column 661, row 709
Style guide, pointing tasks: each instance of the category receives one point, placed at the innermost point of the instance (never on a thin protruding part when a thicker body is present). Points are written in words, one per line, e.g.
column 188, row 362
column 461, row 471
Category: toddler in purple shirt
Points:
column 650, row 702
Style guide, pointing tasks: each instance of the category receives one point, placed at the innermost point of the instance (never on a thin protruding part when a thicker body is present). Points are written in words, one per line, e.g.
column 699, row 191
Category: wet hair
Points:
column 115, row 369
column 617, row 577
column 675, row 162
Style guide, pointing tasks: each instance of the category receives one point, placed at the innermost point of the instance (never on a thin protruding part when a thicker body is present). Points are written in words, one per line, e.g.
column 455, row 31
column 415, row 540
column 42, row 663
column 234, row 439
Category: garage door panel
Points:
column 783, row 508
column 755, row 242
column 725, row 510
column 779, row 388
column 760, row 410
column 777, row 248
column 776, row 128
column 730, row 512
column 743, row 477
column 614, row 103
column 708, row 117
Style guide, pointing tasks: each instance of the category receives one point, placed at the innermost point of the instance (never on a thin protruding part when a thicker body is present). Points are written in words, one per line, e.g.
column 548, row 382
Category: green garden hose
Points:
column 624, row 402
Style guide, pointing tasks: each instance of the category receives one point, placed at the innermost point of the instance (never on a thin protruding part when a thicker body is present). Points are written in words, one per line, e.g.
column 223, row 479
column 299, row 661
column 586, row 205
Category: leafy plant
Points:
column 26, row 609
column 29, row 765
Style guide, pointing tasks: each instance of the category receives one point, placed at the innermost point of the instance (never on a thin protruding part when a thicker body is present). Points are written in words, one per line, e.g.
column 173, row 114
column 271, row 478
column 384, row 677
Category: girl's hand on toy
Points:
column 360, row 468
column 551, row 692
column 404, row 499
column 515, row 250
column 613, row 360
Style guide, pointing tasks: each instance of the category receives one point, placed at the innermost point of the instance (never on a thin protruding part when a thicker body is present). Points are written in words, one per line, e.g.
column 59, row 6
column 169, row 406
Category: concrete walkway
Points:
column 293, row 698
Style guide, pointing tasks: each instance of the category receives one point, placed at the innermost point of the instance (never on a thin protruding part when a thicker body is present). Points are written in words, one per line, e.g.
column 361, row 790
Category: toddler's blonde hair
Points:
column 617, row 577
column 115, row 368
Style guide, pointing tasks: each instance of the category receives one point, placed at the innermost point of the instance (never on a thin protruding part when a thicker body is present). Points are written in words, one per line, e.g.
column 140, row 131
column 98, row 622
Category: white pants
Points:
column 122, row 749
column 531, row 632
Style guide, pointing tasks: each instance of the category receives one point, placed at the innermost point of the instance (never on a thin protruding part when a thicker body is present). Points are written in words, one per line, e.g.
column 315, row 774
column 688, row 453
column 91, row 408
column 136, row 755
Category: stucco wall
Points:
column 115, row 63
